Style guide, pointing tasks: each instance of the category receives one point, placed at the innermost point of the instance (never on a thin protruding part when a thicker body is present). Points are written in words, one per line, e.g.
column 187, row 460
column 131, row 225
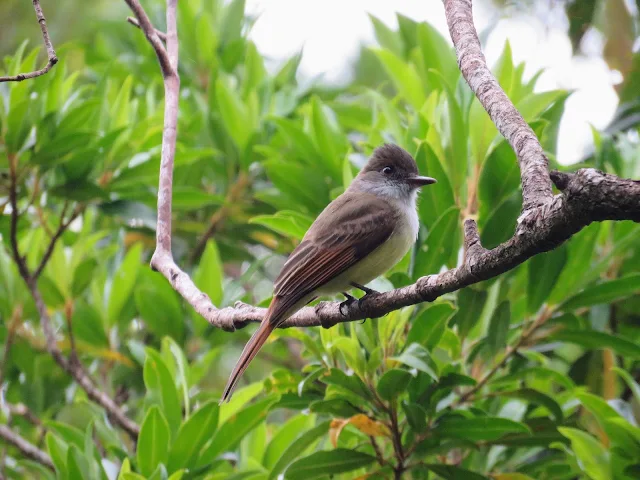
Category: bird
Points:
column 359, row 236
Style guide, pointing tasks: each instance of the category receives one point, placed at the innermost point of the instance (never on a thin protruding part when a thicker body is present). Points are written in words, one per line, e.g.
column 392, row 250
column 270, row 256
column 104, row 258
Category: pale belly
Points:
column 376, row 263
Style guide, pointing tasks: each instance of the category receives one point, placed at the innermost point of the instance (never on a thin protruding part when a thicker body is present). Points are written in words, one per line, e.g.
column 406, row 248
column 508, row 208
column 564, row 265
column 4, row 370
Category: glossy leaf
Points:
column 153, row 442
column 192, row 435
column 331, row 462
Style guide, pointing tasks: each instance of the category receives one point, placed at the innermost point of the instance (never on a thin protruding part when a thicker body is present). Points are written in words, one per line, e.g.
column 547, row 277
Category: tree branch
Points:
column 135, row 23
column 28, row 449
column 51, row 53
column 74, row 368
column 547, row 221
column 536, row 187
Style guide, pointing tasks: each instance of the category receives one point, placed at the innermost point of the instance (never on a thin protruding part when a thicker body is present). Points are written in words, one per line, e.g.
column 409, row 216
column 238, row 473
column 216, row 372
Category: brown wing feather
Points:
column 345, row 232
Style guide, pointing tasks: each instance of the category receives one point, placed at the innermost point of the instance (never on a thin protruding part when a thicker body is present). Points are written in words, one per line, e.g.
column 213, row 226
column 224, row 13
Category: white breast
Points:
column 385, row 256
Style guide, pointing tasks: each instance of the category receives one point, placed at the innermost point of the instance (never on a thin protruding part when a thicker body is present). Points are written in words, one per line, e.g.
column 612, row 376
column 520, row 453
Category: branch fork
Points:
column 547, row 220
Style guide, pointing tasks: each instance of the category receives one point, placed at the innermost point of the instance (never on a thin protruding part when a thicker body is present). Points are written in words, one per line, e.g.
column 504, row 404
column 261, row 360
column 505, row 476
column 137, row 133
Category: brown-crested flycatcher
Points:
column 357, row 237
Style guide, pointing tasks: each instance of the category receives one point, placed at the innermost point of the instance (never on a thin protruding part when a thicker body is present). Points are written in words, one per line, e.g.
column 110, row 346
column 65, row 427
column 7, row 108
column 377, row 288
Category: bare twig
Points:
column 135, row 23
column 22, row 410
column 74, row 368
column 510, row 351
column 51, row 54
column 77, row 371
column 28, row 449
column 217, row 219
column 54, row 239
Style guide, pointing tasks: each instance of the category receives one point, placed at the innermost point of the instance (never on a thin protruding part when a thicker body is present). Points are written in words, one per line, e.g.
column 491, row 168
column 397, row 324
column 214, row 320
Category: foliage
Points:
column 430, row 391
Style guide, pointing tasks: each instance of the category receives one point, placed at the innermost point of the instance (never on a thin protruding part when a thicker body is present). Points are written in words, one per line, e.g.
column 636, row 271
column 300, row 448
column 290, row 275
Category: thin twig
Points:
column 217, row 219
column 54, row 239
column 510, row 351
column 27, row 448
column 74, row 368
column 51, row 54
column 135, row 23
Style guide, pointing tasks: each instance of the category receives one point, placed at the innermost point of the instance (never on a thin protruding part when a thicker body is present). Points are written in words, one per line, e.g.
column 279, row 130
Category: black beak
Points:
column 418, row 181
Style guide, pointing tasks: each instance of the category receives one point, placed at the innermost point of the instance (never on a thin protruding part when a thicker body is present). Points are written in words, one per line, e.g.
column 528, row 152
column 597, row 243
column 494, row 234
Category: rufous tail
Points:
column 250, row 351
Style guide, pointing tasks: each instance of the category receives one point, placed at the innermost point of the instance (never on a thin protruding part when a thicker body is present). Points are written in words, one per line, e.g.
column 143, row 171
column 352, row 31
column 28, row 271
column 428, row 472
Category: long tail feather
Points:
column 250, row 351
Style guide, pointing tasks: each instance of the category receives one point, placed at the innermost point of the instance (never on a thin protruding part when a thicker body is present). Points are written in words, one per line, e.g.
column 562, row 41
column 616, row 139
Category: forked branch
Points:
column 547, row 220
column 52, row 59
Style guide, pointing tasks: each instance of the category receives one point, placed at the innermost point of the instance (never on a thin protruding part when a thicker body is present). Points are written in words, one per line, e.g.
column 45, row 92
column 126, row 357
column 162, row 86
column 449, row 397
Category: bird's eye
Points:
column 387, row 170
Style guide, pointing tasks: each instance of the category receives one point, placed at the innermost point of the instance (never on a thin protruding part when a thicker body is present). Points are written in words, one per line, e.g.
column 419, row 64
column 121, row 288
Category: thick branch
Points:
column 51, row 53
column 547, row 221
column 28, row 449
column 152, row 35
column 536, row 187
column 589, row 195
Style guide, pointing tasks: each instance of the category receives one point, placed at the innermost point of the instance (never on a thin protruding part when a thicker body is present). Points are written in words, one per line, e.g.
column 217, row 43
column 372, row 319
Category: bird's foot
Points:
column 366, row 290
column 349, row 300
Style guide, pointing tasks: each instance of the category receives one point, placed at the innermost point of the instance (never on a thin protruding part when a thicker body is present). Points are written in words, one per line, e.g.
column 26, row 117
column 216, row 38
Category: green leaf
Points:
column 539, row 398
column 161, row 389
column 499, row 224
column 479, row 429
column 428, row 327
column 123, row 282
column 297, row 447
column 598, row 340
column 392, row 383
column 153, row 442
column 58, row 452
column 499, row 328
column 544, row 270
column 599, row 407
column 499, row 177
column 581, row 249
column 436, row 249
column 416, row 356
column 287, row 222
column 330, row 462
column 604, row 293
column 386, row 37
column 235, row 429
column 18, row 125
column 192, row 436
column 87, row 325
column 77, row 464
column 451, row 472
column 208, row 276
column 120, row 107
column 437, row 53
column 232, row 21
column 79, row 191
column 327, row 140
column 592, row 455
column 416, row 416
column 158, row 305
column 470, row 305
column 235, row 115
column 404, row 77
column 283, row 438
column 352, row 383
column 434, row 202
column 633, row 385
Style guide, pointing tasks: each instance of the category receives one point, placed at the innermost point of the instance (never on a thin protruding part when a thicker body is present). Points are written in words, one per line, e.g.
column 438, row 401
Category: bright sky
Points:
column 329, row 32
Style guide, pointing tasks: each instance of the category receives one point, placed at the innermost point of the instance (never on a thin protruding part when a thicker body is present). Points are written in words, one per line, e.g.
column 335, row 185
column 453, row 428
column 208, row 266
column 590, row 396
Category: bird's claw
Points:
column 350, row 299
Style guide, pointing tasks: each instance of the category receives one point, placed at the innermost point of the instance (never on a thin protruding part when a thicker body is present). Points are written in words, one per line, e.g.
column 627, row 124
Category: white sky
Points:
column 329, row 32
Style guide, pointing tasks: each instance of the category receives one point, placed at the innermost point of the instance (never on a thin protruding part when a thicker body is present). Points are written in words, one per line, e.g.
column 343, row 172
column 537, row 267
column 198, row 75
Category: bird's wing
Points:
column 345, row 232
